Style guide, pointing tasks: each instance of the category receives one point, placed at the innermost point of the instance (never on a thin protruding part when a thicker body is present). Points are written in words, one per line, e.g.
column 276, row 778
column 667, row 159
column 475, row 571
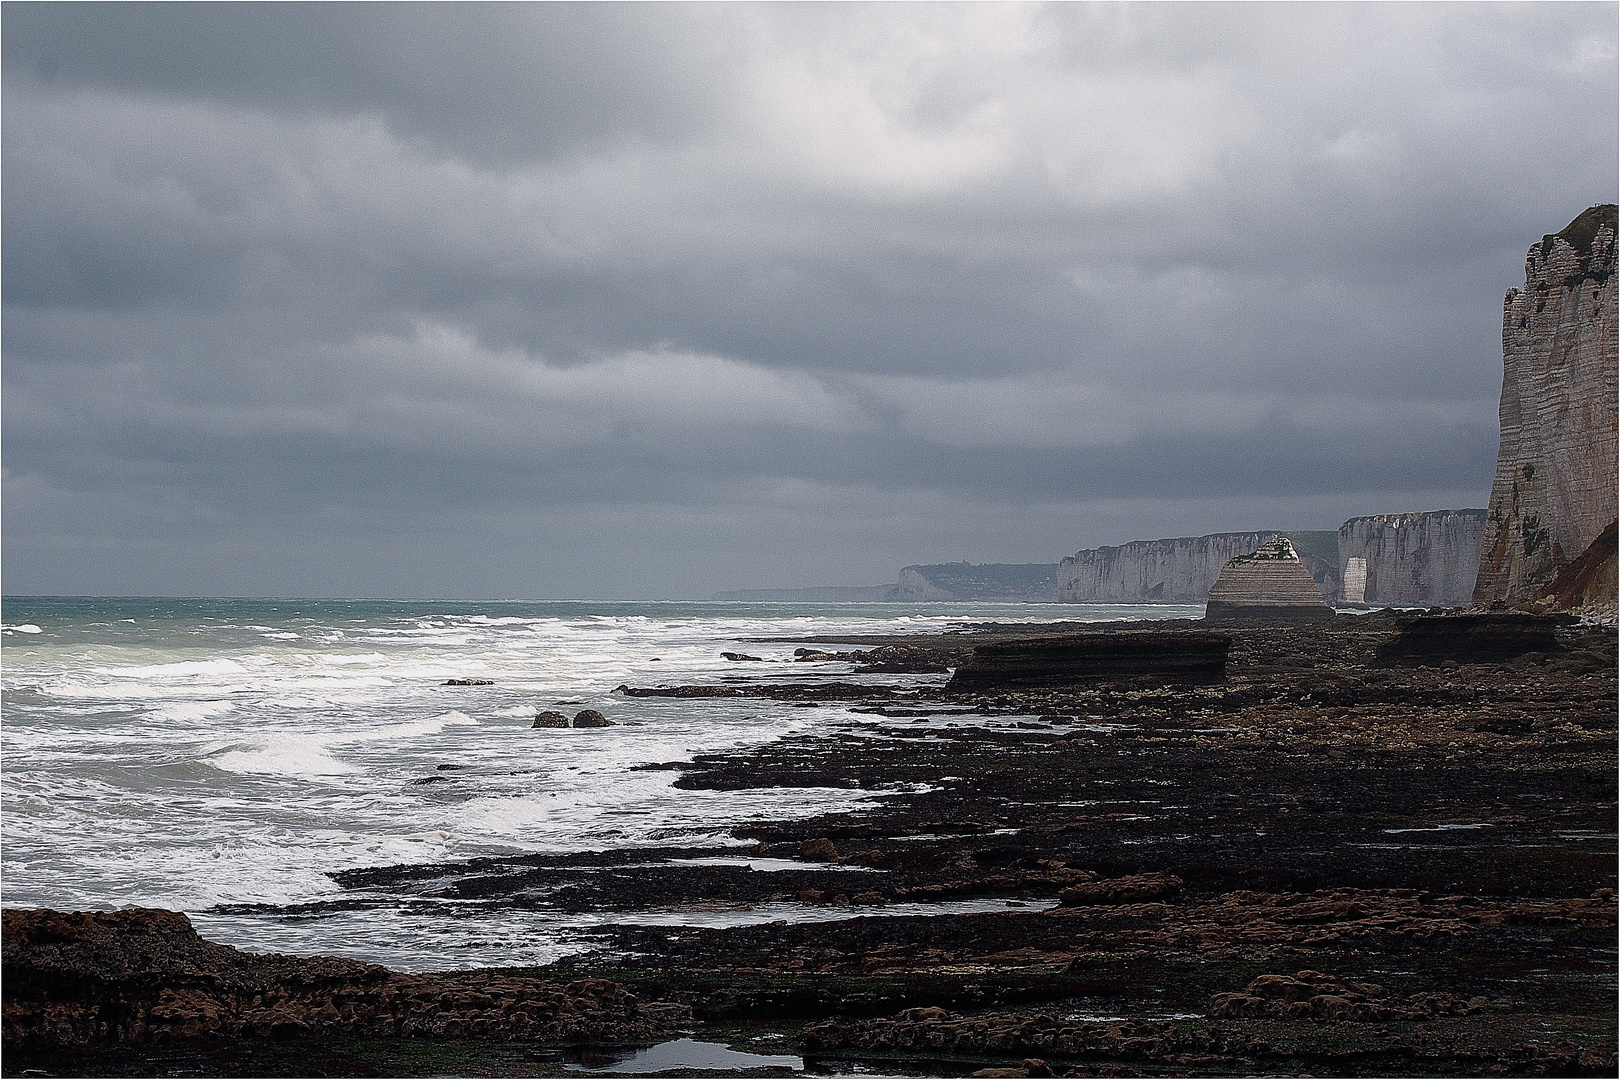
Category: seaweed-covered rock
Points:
column 1135, row 889
column 550, row 718
column 1487, row 638
column 144, row 976
column 591, row 718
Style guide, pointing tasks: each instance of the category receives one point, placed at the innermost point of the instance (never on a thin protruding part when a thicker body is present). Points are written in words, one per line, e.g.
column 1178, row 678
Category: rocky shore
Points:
column 1327, row 862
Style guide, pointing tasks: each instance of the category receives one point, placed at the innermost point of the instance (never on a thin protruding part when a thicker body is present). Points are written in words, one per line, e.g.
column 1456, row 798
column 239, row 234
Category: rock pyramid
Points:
column 1266, row 586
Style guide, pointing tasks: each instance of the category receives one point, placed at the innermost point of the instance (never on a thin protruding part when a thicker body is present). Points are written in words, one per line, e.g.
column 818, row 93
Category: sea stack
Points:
column 1268, row 585
column 1549, row 533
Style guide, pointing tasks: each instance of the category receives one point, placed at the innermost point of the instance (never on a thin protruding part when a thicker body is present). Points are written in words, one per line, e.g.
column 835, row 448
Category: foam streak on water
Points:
column 192, row 753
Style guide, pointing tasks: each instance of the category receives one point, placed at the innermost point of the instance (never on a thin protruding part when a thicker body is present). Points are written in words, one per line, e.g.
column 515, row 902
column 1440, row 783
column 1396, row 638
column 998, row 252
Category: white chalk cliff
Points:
column 1175, row 571
column 1555, row 487
column 1429, row 558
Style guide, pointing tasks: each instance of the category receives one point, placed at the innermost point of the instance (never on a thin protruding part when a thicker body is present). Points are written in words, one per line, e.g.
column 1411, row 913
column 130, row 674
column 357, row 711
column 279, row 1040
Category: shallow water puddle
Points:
column 680, row 1054
column 789, row 912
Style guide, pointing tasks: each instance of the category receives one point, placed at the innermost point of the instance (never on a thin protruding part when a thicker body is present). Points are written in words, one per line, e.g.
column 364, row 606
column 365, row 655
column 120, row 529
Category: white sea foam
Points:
column 240, row 752
column 280, row 755
column 344, row 659
column 186, row 712
column 166, row 671
column 24, row 628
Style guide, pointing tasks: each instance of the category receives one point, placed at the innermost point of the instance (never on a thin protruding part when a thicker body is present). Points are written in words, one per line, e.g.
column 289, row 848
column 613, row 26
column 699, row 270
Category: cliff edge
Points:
column 1554, row 493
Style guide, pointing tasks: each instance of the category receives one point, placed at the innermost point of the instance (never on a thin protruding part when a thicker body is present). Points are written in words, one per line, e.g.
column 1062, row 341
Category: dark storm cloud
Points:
column 743, row 284
column 504, row 82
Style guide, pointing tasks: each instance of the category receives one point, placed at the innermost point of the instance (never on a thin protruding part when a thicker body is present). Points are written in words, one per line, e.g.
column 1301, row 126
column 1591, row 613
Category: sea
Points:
column 224, row 757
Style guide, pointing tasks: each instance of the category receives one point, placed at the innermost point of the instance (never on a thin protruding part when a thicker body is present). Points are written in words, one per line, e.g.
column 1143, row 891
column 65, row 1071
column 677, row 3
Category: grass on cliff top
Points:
column 1322, row 545
column 1579, row 233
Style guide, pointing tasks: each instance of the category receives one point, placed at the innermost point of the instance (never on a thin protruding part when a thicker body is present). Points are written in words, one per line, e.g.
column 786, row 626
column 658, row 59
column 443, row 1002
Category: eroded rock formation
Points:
column 1266, row 585
column 1429, row 558
column 1554, row 492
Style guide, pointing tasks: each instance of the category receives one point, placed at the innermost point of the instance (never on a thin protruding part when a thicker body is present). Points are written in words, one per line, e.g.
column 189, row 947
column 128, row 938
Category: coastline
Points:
column 1317, row 865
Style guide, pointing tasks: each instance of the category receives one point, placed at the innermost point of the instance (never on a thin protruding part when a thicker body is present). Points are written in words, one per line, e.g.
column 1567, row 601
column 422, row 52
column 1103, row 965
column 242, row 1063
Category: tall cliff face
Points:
column 1554, row 492
column 1430, row 558
column 1177, row 571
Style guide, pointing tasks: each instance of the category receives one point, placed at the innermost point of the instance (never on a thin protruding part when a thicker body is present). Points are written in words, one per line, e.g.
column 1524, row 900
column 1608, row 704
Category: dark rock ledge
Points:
column 144, row 977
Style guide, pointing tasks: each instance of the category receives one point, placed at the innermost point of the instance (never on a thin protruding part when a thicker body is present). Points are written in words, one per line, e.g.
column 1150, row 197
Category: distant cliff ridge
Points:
column 1030, row 582
column 1182, row 570
column 1429, row 558
column 1007, row 582
column 826, row 594
column 1554, row 493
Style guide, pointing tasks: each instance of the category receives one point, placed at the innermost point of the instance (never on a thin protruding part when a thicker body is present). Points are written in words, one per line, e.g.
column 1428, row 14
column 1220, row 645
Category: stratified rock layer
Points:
column 1430, row 558
column 1177, row 656
column 1554, row 492
column 1266, row 585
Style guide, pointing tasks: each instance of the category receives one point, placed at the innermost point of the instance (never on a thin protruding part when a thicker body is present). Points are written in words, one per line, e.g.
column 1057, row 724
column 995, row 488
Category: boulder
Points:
column 469, row 682
column 740, row 656
column 550, row 719
column 591, row 718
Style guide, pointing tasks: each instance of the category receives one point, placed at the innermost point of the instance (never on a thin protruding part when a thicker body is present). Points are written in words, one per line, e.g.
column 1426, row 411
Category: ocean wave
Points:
column 22, row 628
column 189, row 711
column 281, row 755
column 162, row 671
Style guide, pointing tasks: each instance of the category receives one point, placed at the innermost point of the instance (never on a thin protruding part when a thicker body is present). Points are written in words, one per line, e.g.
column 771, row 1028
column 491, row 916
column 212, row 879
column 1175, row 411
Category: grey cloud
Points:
column 499, row 81
column 708, row 259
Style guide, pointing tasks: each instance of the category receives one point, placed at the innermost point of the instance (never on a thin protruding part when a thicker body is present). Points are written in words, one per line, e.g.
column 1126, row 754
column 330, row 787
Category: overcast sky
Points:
column 653, row 301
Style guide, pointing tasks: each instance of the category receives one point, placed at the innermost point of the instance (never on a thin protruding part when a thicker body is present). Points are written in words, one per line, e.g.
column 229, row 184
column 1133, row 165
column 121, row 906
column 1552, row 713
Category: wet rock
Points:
column 820, row 849
column 591, row 718
column 469, row 682
column 1311, row 995
column 896, row 659
column 1136, row 889
column 551, row 719
column 912, row 659
column 739, row 657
